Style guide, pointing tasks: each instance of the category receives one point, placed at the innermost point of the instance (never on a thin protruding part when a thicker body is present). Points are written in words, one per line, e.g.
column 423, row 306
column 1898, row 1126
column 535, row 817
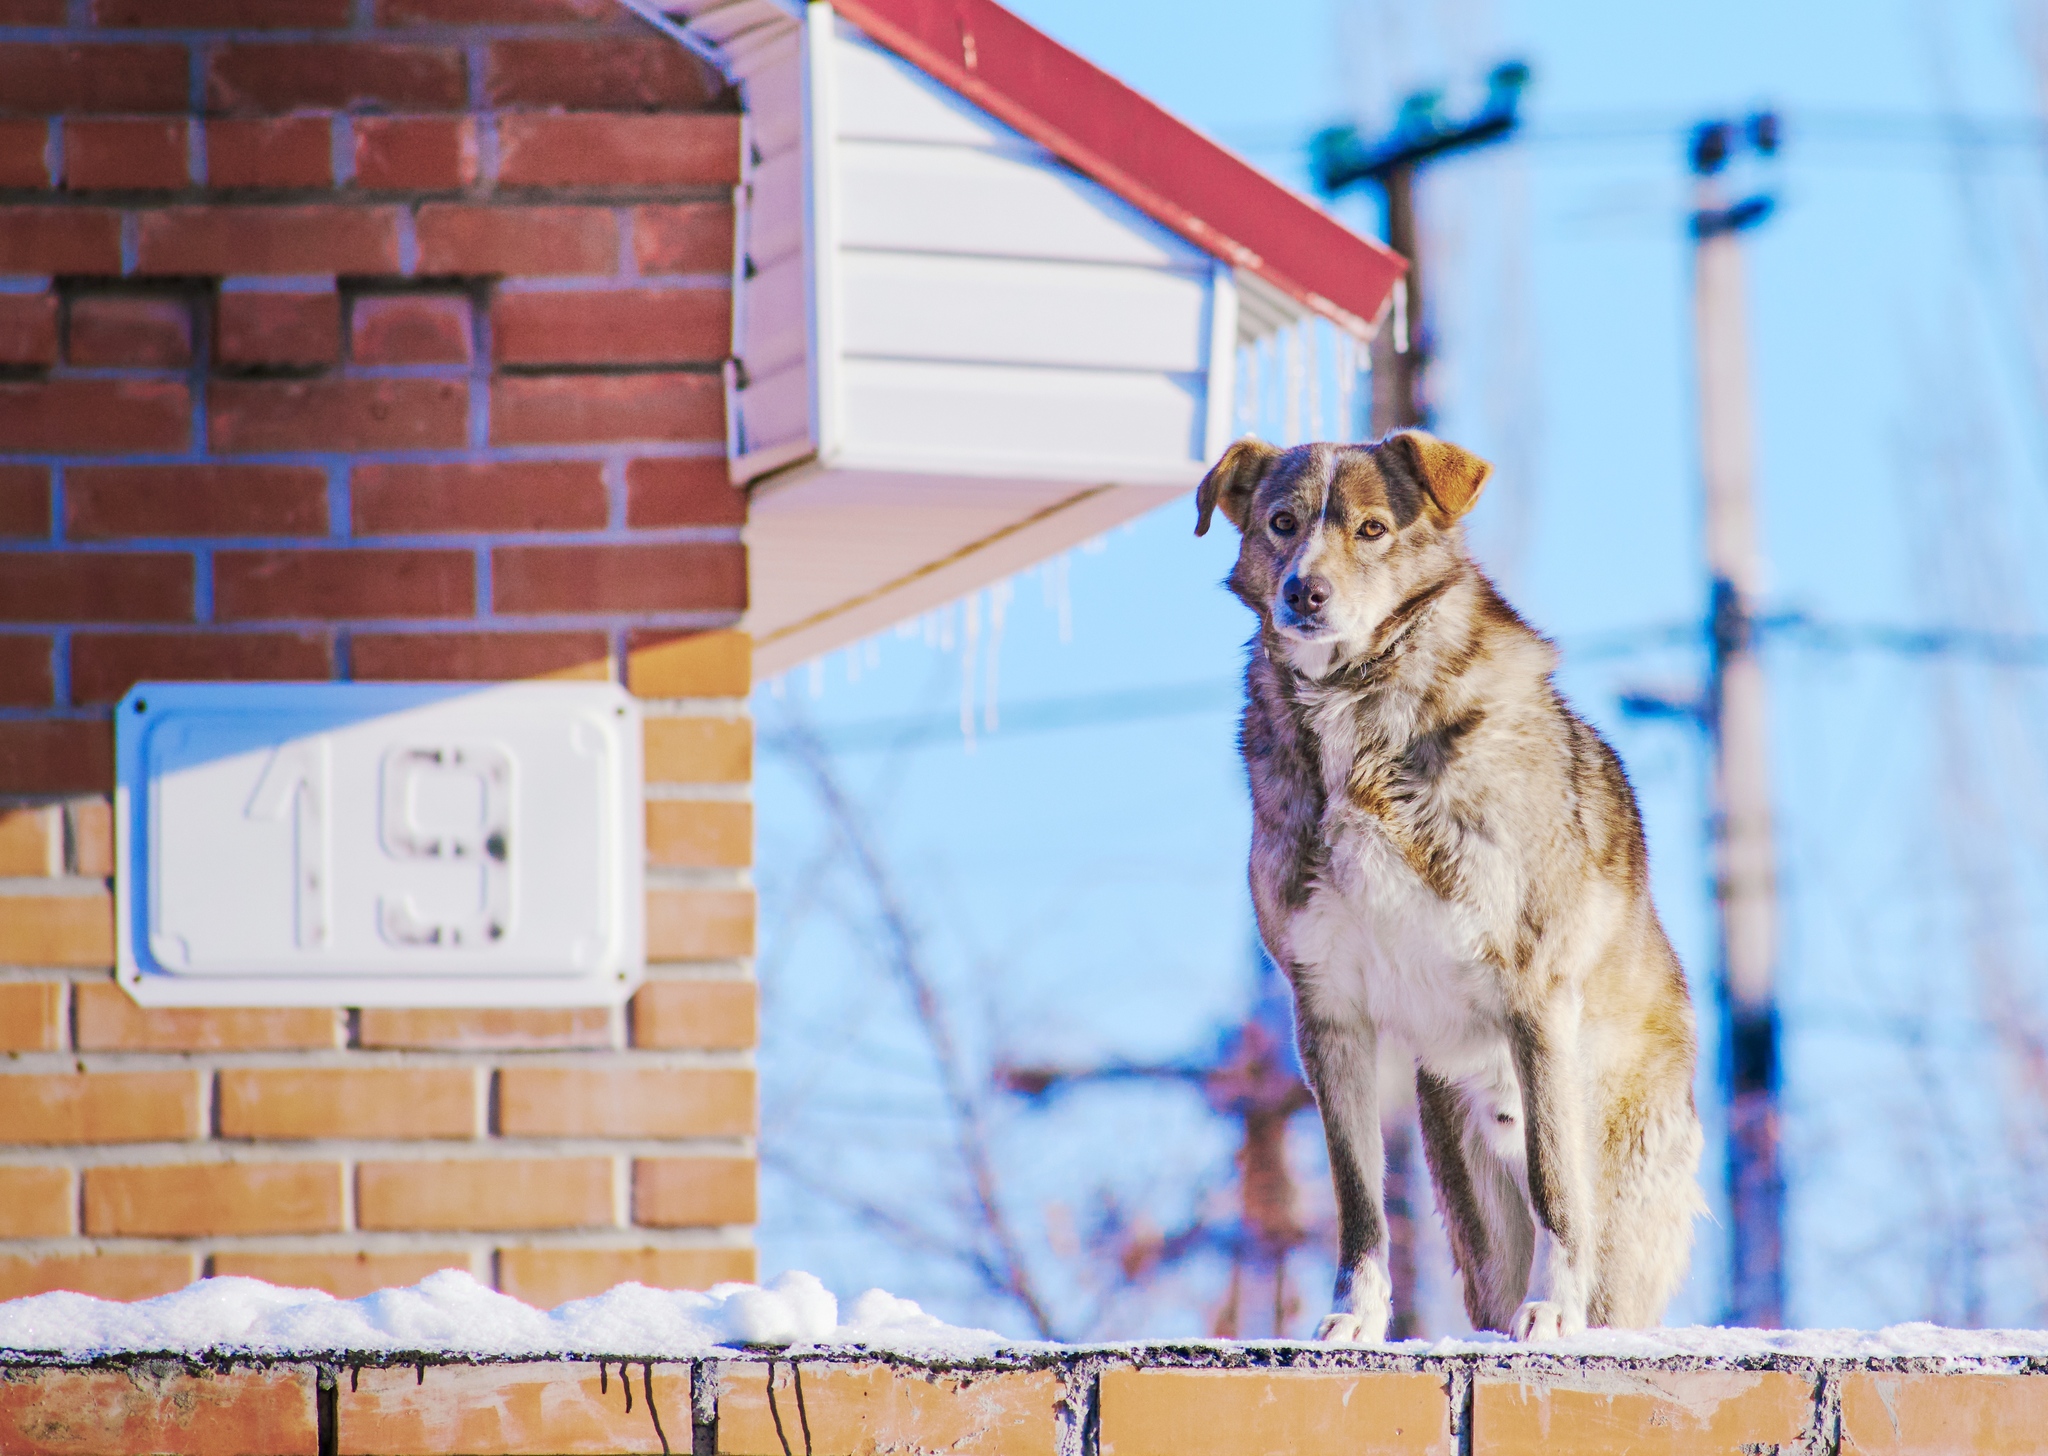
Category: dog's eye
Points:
column 1283, row 523
column 1373, row 530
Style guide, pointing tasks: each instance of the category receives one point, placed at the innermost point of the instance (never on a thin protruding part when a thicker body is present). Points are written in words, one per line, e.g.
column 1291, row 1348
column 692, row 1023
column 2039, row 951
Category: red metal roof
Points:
column 1159, row 164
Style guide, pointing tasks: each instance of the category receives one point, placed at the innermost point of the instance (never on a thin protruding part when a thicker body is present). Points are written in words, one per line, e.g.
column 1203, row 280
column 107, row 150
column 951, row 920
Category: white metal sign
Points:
column 358, row 844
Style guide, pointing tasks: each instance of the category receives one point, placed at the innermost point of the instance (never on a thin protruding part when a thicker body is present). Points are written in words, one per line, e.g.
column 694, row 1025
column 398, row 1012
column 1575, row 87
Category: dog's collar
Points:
column 1404, row 619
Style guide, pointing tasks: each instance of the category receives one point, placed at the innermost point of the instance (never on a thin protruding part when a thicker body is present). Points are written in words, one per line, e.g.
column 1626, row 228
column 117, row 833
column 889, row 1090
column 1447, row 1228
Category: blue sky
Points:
column 1079, row 890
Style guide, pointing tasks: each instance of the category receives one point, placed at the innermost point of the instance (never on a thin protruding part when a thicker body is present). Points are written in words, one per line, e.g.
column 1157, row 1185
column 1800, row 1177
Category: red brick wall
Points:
column 365, row 339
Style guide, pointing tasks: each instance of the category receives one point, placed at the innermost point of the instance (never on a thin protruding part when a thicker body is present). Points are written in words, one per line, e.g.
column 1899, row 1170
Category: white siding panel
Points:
column 775, row 410
column 1068, row 423
column 961, row 200
column 769, row 419
column 723, row 22
column 775, row 96
column 777, row 331
column 884, row 98
column 1002, row 310
column 775, row 215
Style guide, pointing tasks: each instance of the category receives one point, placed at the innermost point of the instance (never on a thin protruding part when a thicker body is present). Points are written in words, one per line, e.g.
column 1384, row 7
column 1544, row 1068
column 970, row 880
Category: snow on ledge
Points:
column 451, row 1314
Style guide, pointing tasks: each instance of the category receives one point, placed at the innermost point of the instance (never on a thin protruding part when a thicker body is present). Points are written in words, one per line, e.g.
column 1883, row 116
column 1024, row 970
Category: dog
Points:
column 1443, row 854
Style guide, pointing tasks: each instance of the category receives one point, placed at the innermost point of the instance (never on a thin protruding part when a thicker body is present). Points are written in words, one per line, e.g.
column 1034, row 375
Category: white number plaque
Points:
column 379, row 844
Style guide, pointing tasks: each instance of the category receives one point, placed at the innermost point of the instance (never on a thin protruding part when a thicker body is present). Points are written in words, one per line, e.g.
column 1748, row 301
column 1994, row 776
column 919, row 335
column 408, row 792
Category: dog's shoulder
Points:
column 1484, row 650
column 1471, row 676
column 1465, row 746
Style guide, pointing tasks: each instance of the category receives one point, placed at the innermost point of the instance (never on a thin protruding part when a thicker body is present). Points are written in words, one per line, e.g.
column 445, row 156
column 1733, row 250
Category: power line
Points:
column 1171, row 700
column 1836, row 128
column 1946, row 131
column 1997, row 649
column 1222, row 695
column 1080, row 710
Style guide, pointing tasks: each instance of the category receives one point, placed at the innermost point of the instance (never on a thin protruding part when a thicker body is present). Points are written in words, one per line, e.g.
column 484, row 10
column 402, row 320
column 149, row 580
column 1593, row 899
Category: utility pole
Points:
column 1737, row 721
column 1340, row 159
column 1400, row 354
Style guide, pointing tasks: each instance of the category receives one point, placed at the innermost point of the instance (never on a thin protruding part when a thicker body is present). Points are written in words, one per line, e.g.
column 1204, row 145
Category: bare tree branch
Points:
column 1002, row 1266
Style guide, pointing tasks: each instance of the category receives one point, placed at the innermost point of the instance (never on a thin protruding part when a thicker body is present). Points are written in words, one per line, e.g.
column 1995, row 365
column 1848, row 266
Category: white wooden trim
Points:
column 727, row 33
column 700, row 46
column 821, row 226
column 965, row 470
column 772, row 187
column 1087, row 514
column 742, row 209
column 1222, row 398
column 1263, row 310
column 763, row 464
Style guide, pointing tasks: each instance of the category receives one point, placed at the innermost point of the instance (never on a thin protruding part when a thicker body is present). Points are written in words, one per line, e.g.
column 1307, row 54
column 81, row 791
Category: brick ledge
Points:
column 1026, row 1400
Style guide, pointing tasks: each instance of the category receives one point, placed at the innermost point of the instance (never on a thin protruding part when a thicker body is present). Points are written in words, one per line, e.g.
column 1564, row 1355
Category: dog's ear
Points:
column 1452, row 476
column 1231, row 483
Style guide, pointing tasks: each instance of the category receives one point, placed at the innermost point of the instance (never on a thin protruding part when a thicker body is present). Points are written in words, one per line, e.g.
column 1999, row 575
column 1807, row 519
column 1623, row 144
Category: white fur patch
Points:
column 1309, row 657
column 1376, row 944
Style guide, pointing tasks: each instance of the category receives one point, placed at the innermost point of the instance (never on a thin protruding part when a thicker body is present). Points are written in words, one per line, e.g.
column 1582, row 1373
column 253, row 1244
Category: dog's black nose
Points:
column 1307, row 594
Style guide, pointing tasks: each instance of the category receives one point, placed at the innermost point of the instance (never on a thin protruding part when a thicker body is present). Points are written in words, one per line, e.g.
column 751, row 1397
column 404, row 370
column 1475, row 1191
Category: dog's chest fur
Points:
column 1362, row 930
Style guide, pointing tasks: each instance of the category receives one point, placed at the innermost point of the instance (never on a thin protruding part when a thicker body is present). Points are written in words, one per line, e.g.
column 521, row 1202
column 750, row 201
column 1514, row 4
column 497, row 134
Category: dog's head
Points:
column 1336, row 537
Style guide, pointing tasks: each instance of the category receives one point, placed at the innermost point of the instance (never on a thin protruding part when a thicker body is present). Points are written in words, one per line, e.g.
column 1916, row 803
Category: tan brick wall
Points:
column 1274, row 1401
column 1927, row 1413
column 1618, row 1413
column 871, row 1407
column 1284, row 1413
column 553, row 1152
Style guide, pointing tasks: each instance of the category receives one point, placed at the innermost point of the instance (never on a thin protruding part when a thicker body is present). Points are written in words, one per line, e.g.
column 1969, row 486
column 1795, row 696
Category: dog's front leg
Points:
column 1545, row 1044
column 1342, row 1061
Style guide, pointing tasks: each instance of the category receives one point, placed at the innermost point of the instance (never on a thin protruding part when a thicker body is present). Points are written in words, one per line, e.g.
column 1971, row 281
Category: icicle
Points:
column 1270, row 379
column 970, row 639
column 871, row 651
column 1312, row 345
column 817, row 678
column 998, row 608
column 1247, row 421
column 775, row 685
column 853, row 663
column 1256, row 383
column 1361, row 384
column 945, row 642
column 1052, row 581
column 931, row 629
column 1255, row 411
column 1291, row 383
column 1347, row 353
column 907, row 629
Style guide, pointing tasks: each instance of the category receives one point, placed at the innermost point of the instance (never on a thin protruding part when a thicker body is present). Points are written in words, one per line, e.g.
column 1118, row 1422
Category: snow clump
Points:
column 451, row 1313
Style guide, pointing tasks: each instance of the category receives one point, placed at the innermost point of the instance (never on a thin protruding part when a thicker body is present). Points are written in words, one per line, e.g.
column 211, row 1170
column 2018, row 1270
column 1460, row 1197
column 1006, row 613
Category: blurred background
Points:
column 1021, row 1060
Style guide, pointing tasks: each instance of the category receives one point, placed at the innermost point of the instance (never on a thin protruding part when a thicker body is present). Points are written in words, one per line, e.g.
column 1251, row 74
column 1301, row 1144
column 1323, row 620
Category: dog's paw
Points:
column 1540, row 1319
column 1346, row 1329
column 1365, row 1307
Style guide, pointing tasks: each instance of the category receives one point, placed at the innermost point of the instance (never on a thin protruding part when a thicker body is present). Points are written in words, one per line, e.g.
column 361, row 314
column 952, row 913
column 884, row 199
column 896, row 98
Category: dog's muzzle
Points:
column 1299, row 612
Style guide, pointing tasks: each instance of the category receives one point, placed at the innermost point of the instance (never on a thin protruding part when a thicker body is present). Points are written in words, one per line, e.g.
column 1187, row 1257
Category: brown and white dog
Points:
column 1445, row 855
